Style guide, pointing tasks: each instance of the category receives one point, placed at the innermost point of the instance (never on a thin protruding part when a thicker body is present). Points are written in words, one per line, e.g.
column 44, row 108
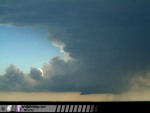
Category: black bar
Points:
column 98, row 108
column 69, row 108
column 124, row 107
column 77, row 108
column 60, row 108
column 85, row 108
column 56, row 108
column 65, row 108
column 95, row 110
column 81, row 108
column 68, row 103
column 73, row 108
column 90, row 108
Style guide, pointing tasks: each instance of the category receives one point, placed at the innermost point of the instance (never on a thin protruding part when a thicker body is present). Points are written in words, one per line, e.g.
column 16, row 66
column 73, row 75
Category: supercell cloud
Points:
column 106, row 44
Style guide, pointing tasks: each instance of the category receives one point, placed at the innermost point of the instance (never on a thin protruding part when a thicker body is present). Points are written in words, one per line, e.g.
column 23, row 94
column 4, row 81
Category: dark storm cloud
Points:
column 13, row 80
column 108, row 39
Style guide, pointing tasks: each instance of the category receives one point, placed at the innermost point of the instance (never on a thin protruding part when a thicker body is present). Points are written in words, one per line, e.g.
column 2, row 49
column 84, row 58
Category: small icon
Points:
column 3, row 108
column 14, row 108
column 18, row 108
column 9, row 108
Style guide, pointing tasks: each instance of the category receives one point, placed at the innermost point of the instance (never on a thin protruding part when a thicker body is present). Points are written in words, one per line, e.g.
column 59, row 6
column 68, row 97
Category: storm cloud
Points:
column 106, row 43
column 14, row 80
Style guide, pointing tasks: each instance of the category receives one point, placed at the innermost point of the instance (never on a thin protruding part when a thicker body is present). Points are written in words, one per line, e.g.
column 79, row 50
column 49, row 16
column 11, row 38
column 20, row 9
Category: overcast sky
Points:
column 88, row 46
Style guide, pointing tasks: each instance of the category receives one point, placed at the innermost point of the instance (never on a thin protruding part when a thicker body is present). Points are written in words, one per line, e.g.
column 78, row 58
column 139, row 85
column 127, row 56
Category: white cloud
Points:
column 61, row 46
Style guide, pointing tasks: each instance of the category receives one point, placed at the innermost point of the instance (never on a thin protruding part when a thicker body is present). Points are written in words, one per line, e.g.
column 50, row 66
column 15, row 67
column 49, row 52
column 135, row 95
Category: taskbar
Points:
column 100, row 107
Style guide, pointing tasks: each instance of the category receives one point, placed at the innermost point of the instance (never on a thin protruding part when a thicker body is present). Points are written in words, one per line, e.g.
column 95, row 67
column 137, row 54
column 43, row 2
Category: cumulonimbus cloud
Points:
column 106, row 42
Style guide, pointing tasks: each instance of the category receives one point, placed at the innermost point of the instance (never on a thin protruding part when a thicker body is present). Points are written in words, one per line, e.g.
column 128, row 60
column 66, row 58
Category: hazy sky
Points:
column 88, row 46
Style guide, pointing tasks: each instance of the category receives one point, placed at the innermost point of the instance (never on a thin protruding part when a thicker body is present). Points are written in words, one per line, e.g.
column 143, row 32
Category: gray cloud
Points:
column 13, row 80
column 36, row 73
column 108, row 40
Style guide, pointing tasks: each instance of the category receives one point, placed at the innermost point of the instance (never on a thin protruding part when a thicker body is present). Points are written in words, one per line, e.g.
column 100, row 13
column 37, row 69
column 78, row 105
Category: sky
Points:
column 92, row 47
column 26, row 47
